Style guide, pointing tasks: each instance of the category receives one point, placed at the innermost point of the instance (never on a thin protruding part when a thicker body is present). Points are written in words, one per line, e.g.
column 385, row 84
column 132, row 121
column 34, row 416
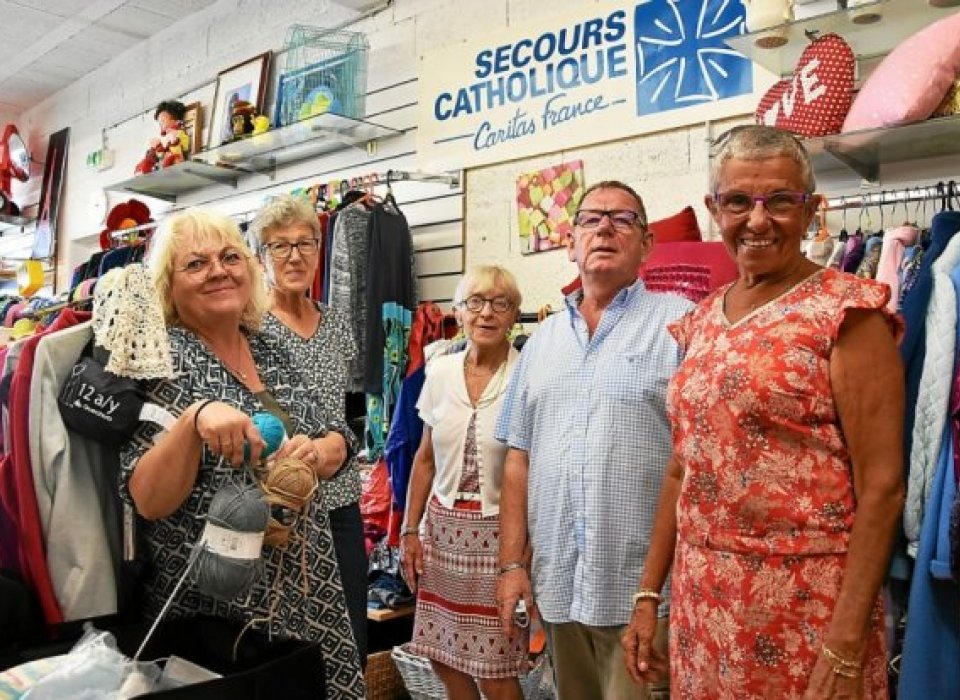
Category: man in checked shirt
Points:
column 585, row 420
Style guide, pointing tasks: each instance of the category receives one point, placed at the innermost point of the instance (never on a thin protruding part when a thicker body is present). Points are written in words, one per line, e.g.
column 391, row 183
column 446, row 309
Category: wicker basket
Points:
column 422, row 683
column 383, row 679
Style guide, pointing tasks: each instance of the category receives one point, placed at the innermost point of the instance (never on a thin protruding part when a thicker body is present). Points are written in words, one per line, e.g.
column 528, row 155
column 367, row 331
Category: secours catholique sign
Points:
column 609, row 71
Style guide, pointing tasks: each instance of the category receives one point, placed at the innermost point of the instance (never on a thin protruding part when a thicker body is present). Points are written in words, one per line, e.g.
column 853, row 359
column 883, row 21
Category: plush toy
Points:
column 242, row 118
column 173, row 142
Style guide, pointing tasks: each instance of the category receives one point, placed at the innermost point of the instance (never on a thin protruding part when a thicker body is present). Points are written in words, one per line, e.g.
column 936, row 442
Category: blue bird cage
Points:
column 321, row 71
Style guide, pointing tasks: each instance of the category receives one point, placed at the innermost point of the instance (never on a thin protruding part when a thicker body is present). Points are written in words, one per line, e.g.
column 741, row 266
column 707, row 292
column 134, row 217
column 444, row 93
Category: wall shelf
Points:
column 261, row 154
column 865, row 152
column 171, row 182
column 308, row 138
column 899, row 19
column 10, row 223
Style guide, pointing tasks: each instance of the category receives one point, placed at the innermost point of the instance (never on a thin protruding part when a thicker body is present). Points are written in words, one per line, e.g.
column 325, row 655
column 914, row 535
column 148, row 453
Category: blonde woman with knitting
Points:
column 211, row 290
column 449, row 541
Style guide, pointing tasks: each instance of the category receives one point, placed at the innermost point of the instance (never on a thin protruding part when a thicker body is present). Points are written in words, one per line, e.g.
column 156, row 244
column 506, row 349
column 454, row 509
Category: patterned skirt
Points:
column 456, row 622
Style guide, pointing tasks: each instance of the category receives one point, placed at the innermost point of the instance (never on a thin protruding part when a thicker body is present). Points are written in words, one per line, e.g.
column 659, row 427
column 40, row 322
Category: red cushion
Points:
column 815, row 101
column 692, row 258
column 682, row 226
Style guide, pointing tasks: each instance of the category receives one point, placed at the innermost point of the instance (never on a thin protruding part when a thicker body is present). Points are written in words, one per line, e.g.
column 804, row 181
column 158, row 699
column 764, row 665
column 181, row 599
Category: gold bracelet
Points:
column 646, row 594
column 409, row 531
column 512, row 566
column 841, row 666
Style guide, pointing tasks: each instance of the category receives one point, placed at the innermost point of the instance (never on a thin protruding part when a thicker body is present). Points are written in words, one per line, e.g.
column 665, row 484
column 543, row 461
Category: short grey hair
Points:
column 279, row 213
column 756, row 142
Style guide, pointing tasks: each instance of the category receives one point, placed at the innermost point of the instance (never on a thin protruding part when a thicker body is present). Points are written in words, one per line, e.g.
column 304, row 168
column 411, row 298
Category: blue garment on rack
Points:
column 931, row 648
column 406, row 431
column 914, row 310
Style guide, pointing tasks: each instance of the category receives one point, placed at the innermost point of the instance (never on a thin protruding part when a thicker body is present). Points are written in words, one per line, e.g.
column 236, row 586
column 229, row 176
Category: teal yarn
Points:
column 271, row 430
column 239, row 508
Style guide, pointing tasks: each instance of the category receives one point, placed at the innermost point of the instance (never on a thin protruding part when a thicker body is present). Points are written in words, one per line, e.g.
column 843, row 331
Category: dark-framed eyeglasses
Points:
column 281, row 250
column 475, row 304
column 620, row 219
column 779, row 203
column 200, row 266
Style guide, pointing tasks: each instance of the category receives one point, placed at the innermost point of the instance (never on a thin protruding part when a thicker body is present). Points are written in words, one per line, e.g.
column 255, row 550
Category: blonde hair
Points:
column 485, row 278
column 200, row 226
column 284, row 211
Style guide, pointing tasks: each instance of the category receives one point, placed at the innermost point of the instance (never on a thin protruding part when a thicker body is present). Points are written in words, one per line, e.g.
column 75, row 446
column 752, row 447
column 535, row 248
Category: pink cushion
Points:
column 705, row 265
column 682, row 226
column 909, row 84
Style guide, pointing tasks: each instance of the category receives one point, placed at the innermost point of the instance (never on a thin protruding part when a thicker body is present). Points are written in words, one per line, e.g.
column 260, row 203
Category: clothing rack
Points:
column 945, row 191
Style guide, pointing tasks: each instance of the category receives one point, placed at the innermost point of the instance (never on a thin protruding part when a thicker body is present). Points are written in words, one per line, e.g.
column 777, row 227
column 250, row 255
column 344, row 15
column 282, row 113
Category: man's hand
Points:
column 644, row 663
column 511, row 587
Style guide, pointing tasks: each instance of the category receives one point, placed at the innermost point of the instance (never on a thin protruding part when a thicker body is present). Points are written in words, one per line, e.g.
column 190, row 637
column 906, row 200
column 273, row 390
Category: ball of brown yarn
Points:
column 290, row 483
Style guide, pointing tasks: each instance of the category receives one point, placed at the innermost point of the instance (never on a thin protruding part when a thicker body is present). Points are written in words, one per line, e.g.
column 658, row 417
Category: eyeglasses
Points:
column 475, row 303
column 620, row 219
column 281, row 250
column 201, row 266
column 780, row 203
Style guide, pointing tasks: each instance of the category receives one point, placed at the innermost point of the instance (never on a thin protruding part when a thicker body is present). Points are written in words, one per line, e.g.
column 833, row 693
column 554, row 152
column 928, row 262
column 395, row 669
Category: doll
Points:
column 173, row 142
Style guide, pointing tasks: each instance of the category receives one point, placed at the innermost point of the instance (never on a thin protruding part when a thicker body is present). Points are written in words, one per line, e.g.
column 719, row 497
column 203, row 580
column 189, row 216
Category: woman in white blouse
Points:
column 452, row 556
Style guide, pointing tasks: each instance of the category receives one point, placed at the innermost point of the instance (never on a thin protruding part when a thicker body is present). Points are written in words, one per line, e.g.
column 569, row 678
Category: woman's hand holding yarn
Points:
column 225, row 430
column 299, row 447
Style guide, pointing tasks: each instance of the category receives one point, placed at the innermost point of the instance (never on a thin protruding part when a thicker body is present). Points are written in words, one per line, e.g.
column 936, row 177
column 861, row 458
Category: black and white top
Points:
column 324, row 359
column 319, row 615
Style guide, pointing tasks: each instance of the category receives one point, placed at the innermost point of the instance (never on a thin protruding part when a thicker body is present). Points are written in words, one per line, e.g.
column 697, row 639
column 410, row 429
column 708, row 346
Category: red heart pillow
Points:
column 815, row 101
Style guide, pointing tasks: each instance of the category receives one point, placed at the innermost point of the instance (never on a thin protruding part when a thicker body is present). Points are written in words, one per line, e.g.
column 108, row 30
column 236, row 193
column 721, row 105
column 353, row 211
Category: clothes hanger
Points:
column 844, row 234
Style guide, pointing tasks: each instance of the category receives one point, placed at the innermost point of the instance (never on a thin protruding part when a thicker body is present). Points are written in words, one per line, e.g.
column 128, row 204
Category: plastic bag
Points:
column 93, row 670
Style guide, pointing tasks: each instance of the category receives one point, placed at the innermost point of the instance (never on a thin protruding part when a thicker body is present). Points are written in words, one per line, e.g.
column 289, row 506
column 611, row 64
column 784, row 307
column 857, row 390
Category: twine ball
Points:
column 289, row 485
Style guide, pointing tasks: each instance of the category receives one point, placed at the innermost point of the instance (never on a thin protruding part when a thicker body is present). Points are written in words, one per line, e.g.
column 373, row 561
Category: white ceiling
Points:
column 48, row 44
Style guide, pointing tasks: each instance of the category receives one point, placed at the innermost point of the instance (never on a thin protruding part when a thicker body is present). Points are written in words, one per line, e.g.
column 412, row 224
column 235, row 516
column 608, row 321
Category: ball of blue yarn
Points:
column 271, row 430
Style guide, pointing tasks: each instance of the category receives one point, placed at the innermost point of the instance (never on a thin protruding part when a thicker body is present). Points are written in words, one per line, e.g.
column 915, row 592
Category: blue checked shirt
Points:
column 591, row 414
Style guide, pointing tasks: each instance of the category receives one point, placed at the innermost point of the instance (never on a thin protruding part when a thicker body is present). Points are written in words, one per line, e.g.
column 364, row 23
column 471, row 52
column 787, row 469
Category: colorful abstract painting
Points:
column 546, row 203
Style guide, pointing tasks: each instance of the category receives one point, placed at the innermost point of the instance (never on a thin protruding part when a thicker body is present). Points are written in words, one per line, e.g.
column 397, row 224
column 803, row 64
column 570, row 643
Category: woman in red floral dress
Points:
column 782, row 497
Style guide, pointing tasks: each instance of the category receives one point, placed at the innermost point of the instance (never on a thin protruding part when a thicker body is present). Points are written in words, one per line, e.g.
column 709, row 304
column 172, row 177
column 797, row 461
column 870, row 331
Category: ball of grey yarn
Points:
column 239, row 508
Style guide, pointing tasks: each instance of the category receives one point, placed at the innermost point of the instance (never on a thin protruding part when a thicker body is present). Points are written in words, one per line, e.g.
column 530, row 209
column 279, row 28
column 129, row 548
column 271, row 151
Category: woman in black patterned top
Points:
column 286, row 233
column 213, row 298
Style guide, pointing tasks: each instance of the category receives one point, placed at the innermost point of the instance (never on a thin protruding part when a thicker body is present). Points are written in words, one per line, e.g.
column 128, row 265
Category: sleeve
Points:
column 870, row 295
column 513, row 426
column 682, row 329
column 167, row 395
column 426, row 404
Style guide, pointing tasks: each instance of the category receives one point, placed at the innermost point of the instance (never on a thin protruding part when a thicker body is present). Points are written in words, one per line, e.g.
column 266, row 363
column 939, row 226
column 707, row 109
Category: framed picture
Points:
column 193, row 125
column 45, row 236
column 244, row 81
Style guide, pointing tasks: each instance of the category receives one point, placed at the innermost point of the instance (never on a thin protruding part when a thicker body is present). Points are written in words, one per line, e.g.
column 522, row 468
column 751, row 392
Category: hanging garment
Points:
column 820, row 251
column 931, row 647
column 348, row 281
column 403, row 440
column 867, row 268
column 895, row 241
column 29, row 528
column 914, row 310
column 933, row 391
column 75, row 480
column 852, row 252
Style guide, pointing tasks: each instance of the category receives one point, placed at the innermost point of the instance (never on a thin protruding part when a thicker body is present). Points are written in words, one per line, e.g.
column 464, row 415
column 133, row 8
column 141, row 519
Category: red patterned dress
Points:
column 767, row 502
